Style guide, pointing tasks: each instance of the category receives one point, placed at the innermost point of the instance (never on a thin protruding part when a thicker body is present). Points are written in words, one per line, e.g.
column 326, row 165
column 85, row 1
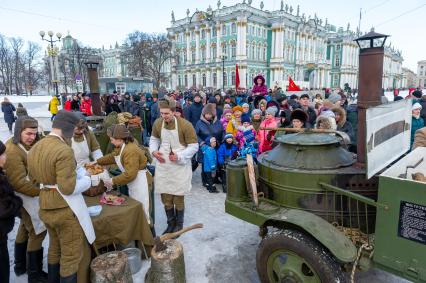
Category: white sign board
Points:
column 388, row 133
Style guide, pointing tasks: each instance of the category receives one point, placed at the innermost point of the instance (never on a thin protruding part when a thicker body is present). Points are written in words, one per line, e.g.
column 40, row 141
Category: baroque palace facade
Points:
column 206, row 46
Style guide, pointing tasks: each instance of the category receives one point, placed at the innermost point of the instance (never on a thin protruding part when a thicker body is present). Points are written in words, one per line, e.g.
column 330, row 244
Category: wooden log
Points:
column 110, row 267
column 252, row 179
column 167, row 266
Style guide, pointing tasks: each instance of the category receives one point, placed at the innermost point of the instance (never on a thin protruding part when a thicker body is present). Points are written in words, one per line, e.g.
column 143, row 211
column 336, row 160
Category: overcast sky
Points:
column 103, row 22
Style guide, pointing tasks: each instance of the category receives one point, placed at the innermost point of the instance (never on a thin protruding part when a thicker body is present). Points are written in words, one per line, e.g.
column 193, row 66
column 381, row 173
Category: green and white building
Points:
column 277, row 44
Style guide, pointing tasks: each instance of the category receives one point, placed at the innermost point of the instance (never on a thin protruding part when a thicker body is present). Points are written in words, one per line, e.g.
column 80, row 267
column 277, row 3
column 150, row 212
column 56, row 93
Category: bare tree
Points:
column 6, row 65
column 148, row 54
column 16, row 45
column 32, row 76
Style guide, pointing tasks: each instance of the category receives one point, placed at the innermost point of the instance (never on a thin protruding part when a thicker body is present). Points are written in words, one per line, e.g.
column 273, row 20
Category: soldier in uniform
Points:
column 32, row 231
column 84, row 144
column 173, row 143
column 51, row 164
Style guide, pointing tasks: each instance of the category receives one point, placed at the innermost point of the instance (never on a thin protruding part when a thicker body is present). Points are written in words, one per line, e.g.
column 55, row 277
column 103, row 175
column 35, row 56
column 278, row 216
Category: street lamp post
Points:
column 223, row 57
column 52, row 53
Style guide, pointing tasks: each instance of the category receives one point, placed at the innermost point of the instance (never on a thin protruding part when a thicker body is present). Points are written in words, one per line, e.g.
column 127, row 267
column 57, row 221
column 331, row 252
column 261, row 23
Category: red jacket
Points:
column 67, row 105
column 262, row 135
column 86, row 107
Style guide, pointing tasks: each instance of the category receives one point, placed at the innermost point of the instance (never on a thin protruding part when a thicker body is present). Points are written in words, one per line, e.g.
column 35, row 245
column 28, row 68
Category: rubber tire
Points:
column 303, row 245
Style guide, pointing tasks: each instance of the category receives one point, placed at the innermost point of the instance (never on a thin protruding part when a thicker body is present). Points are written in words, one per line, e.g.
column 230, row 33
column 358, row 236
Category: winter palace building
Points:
column 277, row 44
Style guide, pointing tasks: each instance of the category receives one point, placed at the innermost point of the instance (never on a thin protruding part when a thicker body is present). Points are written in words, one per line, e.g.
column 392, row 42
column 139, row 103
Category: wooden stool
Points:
column 167, row 266
column 111, row 267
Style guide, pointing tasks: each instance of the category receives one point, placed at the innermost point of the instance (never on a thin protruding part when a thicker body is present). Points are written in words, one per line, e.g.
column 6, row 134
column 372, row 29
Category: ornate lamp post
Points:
column 371, row 54
column 53, row 55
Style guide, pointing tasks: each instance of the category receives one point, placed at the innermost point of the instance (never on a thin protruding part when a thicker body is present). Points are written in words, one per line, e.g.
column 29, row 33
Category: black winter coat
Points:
column 194, row 113
column 205, row 129
column 75, row 105
column 348, row 129
column 155, row 112
column 7, row 108
column 10, row 204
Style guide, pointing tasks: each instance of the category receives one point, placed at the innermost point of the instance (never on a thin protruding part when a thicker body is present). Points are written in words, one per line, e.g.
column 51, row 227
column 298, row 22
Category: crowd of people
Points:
column 43, row 182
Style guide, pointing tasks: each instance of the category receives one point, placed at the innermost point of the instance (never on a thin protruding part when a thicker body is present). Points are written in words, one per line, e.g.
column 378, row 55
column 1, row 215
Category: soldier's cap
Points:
column 167, row 104
column 66, row 121
column 118, row 131
column 23, row 122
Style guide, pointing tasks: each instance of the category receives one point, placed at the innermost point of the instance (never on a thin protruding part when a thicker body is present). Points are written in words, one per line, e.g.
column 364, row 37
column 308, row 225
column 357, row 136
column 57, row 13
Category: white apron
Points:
column 78, row 206
column 171, row 177
column 138, row 188
column 32, row 206
column 81, row 151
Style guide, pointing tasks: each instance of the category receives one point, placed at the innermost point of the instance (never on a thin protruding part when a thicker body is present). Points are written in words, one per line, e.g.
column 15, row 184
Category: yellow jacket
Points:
column 53, row 105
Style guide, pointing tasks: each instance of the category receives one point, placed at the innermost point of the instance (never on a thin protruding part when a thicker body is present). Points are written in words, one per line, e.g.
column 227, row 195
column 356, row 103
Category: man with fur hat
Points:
column 84, row 144
column 173, row 143
column 31, row 232
column 51, row 164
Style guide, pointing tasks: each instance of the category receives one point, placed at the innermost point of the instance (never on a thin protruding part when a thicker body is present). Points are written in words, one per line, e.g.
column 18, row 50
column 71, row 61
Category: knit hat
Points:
column 167, row 104
column 272, row 110
column 416, row 106
column 209, row 139
column 226, row 111
column 82, row 123
column 397, row 98
column 228, row 136
column 212, row 100
column 227, row 106
column 66, row 121
column 417, row 93
column 118, row 132
column 21, row 124
column 256, row 111
column 2, row 148
column 305, row 95
column 245, row 118
column 334, row 98
column 245, row 104
column 328, row 114
column 237, row 108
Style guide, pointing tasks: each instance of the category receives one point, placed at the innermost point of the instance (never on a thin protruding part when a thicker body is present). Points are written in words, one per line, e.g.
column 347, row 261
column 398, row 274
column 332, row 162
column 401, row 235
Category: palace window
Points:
column 233, row 28
column 259, row 53
column 193, row 56
column 253, row 51
column 214, row 79
column 204, row 80
column 233, row 51
column 192, row 35
column 233, row 82
column 186, row 80
column 203, row 54
column 184, row 57
column 224, row 50
column 203, row 34
column 264, row 53
column 337, row 61
column 225, row 79
column 194, row 80
column 214, row 32
column 213, row 50
column 223, row 29
column 179, row 80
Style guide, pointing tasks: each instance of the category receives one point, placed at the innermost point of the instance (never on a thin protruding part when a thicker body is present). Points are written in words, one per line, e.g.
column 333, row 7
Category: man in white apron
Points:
column 51, row 164
column 173, row 143
column 32, row 231
column 84, row 144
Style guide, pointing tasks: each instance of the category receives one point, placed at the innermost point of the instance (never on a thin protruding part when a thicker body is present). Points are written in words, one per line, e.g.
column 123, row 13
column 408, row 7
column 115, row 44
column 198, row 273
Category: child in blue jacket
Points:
column 210, row 162
column 226, row 152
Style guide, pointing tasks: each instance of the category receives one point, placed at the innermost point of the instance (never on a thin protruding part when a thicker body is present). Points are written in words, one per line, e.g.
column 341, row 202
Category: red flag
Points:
column 292, row 86
column 237, row 77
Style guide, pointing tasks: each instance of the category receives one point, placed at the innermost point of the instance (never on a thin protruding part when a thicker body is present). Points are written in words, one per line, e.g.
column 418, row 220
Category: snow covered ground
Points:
column 223, row 251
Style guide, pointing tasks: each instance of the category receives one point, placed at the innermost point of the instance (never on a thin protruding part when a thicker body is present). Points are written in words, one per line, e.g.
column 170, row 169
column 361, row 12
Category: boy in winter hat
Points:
column 226, row 152
column 210, row 162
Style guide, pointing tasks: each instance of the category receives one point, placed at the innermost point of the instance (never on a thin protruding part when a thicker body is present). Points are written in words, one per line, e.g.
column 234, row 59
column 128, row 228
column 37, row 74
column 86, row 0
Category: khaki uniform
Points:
column 133, row 159
column 16, row 171
column 51, row 162
column 187, row 136
column 92, row 142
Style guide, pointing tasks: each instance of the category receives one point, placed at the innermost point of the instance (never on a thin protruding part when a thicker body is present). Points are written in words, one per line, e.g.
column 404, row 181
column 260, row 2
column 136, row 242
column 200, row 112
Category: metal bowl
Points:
column 134, row 259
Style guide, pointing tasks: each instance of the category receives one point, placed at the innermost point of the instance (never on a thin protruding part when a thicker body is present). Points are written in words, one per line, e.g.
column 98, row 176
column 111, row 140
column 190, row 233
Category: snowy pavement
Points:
column 223, row 251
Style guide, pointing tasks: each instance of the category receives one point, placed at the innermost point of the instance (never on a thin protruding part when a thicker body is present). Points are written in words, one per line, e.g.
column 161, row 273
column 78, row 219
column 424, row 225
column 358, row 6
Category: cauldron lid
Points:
column 308, row 138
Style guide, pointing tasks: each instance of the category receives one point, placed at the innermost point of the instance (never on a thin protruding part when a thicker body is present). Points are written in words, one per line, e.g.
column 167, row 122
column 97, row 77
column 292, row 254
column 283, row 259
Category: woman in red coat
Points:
column 67, row 104
column 266, row 137
column 86, row 105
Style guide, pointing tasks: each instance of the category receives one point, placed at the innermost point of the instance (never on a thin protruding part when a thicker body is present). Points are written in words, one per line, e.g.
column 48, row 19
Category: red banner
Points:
column 237, row 77
column 292, row 86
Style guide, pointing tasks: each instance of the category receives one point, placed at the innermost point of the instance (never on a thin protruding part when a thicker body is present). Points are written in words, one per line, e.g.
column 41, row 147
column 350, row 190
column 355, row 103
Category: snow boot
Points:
column 69, row 279
column 35, row 267
column 212, row 189
column 171, row 220
column 20, row 258
column 224, row 189
column 179, row 220
column 53, row 273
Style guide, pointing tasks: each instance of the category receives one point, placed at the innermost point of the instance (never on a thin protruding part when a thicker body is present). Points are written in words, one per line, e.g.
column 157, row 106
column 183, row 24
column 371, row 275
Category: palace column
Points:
column 197, row 46
column 188, row 47
column 208, row 52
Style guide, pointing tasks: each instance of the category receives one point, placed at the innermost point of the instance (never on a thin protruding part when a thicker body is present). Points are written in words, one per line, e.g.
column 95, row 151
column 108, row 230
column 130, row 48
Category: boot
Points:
column 53, row 273
column 179, row 220
column 69, row 279
column 20, row 258
column 35, row 267
column 224, row 189
column 212, row 189
column 171, row 220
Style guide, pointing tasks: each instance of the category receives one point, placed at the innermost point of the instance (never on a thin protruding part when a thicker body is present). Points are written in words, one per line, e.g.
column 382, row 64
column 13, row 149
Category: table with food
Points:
column 116, row 218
